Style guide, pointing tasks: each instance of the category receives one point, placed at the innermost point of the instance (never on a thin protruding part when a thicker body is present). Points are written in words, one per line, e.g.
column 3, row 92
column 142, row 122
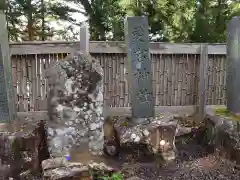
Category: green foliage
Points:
column 30, row 19
column 105, row 18
column 226, row 113
column 169, row 20
column 115, row 176
column 185, row 20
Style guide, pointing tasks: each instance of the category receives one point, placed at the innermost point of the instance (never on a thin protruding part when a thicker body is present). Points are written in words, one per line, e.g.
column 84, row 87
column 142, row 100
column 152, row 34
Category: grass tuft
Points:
column 226, row 113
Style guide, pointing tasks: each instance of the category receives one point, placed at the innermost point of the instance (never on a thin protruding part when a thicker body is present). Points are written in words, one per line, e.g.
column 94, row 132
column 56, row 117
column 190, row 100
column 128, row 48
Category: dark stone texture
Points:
column 60, row 169
column 233, row 65
column 75, row 105
column 139, row 68
column 23, row 146
column 147, row 137
column 223, row 135
column 7, row 104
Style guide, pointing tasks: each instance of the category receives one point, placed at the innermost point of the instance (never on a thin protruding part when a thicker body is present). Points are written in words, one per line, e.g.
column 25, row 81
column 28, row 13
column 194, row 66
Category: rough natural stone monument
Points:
column 139, row 68
column 75, row 105
column 233, row 64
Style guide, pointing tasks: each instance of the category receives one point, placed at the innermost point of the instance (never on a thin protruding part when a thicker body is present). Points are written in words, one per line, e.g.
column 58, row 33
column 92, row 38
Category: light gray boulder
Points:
column 75, row 105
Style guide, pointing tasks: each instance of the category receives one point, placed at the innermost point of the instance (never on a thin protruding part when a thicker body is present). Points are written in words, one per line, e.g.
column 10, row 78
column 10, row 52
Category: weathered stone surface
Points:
column 223, row 135
column 159, row 136
column 23, row 146
column 233, row 74
column 139, row 68
column 76, row 105
column 59, row 169
column 7, row 105
column 134, row 178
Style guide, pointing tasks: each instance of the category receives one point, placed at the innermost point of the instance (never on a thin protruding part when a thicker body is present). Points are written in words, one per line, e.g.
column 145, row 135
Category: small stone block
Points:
column 158, row 135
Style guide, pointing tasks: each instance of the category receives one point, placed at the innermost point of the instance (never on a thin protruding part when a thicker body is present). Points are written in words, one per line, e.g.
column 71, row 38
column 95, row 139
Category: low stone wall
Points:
column 23, row 146
column 223, row 135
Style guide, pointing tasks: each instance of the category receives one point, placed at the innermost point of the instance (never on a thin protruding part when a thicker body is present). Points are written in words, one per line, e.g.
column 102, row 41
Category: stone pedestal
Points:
column 157, row 136
column 59, row 169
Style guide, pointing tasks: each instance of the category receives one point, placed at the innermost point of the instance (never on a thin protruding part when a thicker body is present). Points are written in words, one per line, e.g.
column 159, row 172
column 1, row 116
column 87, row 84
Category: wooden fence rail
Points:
column 175, row 72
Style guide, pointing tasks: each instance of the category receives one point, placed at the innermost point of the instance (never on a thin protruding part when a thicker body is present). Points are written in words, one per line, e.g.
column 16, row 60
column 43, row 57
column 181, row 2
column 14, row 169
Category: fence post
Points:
column 84, row 39
column 203, row 80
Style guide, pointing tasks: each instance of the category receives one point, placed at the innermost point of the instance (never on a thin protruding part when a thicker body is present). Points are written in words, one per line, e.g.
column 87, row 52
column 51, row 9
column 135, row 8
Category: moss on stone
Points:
column 226, row 113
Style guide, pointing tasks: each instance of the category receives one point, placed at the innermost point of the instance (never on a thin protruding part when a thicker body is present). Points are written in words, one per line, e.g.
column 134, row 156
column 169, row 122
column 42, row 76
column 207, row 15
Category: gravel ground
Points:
column 193, row 163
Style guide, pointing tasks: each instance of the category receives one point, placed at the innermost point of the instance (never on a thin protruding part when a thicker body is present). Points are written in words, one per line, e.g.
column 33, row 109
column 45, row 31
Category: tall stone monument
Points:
column 7, row 106
column 139, row 68
column 75, row 106
column 233, row 65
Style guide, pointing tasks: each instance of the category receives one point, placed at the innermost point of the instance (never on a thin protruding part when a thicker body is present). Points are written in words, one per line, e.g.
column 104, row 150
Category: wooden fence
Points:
column 175, row 72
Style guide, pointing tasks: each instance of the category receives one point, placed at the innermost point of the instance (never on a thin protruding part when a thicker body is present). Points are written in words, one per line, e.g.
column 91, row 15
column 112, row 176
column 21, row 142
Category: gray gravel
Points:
column 193, row 163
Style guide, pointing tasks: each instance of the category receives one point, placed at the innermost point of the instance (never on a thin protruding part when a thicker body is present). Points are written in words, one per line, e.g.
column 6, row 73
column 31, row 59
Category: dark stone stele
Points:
column 233, row 65
column 7, row 105
column 139, row 67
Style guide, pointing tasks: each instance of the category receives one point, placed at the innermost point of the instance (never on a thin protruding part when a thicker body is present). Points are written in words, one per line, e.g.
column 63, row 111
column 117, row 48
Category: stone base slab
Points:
column 156, row 134
column 59, row 169
column 222, row 135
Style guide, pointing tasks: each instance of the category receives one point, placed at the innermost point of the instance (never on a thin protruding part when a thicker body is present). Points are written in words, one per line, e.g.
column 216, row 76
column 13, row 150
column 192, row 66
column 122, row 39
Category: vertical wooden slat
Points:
column 116, row 80
column 20, row 90
column 122, row 80
column 157, row 78
column 165, row 80
column 185, row 75
column 178, row 81
column 222, row 80
column 154, row 76
column 181, row 80
column 126, row 89
column 168, row 83
column 34, row 82
column 38, row 76
column 30, row 81
column 47, row 66
column 210, row 81
column 110, row 79
column 106, row 85
column 161, row 70
column 214, row 98
column 24, row 83
column 217, row 98
column 14, row 79
column 195, row 79
column 174, row 78
column 188, row 80
column 42, row 76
